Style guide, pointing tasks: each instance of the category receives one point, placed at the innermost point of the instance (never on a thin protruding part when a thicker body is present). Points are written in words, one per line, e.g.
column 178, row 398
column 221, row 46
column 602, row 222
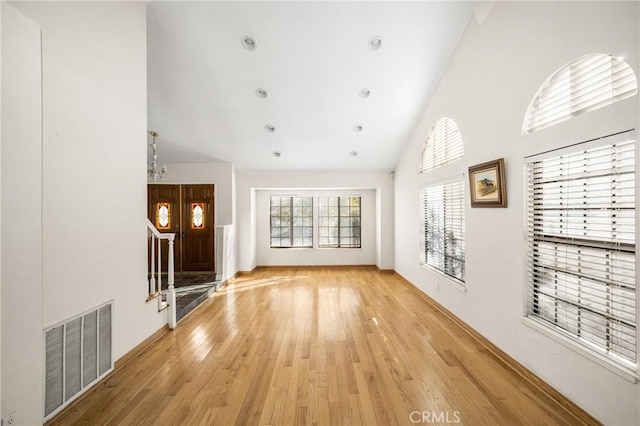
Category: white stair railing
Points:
column 155, row 274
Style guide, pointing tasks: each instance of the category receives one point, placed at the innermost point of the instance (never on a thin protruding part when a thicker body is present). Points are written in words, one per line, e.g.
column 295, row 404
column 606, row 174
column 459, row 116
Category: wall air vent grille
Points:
column 78, row 352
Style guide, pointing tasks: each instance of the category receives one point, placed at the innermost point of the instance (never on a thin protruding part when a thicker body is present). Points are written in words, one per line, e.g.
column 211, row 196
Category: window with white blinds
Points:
column 443, row 228
column 581, row 244
column 291, row 221
column 585, row 84
column 443, row 145
column 339, row 222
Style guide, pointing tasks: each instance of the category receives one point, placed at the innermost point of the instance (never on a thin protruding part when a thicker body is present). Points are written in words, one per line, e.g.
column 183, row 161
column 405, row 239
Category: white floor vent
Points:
column 77, row 355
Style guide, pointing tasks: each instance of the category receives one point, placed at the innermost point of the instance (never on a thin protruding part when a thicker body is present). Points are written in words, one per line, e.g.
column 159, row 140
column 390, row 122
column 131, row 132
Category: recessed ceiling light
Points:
column 276, row 154
column 353, row 153
column 269, row 128
column 261, row 93
column 248, row 43
column 357, row 128
column 375, row 42
column 364, row 93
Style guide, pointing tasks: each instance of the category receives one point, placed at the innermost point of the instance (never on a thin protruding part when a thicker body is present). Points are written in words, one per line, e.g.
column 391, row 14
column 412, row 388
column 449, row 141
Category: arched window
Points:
column 584, row 84
column 443, row 145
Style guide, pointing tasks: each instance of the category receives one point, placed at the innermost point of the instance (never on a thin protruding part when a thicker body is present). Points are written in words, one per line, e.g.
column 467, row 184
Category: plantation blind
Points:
column 443, row 226
column 585, row 84
column 443, row 145
column 581, row 244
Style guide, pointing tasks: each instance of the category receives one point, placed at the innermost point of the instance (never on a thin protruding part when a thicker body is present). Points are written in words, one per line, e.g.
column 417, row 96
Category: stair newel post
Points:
column 171, row 292
column 152, row 280
column 159, row 265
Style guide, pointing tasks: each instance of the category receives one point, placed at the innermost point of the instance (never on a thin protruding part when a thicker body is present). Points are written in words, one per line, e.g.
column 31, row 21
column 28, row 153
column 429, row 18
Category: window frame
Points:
column 458, row 283
column 320, row 245
column 292, row 218
column 578, row 87
column 584, row 346
column 443, row 144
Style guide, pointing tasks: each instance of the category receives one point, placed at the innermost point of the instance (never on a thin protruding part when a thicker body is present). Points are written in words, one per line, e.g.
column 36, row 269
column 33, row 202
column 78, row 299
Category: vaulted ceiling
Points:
column 312, row 59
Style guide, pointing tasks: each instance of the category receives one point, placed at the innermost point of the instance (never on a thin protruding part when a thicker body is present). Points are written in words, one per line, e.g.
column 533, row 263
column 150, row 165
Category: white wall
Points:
column 366, row 255
column 93, row 171
column 224, row 254
column 232, row 251
column 220, row 174
column 491, row 78
column 94, row 191
column 250, row 182
column 21, row 218
column 0, row 208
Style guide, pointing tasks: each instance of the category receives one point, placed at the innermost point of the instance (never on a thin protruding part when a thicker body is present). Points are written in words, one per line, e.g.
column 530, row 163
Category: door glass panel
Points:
column 163, row 216
column 197, row 215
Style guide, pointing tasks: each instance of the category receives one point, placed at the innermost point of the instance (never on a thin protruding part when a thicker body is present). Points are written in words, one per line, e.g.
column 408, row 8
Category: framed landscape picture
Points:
column 487, row 185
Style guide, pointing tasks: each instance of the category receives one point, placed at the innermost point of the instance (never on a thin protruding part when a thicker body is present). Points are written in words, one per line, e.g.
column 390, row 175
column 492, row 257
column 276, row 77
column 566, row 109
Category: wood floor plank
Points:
column 314, row 346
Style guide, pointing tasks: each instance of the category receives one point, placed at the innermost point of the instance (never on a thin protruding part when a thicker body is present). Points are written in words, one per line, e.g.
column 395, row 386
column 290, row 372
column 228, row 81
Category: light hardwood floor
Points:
column 316, row 346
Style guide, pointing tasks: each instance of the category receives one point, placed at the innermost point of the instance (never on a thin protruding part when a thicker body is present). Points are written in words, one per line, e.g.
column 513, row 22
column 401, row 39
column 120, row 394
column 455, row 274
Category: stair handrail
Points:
column 157, row 287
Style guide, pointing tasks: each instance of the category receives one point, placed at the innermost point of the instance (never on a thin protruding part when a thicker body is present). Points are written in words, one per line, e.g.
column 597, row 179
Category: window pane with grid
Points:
column 339, row 222
column 585, row 84
column 581, row 247
column 291, row 221
column 443, row 228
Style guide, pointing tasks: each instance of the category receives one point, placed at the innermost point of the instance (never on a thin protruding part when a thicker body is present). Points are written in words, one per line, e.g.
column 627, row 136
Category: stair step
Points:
column 186, row 301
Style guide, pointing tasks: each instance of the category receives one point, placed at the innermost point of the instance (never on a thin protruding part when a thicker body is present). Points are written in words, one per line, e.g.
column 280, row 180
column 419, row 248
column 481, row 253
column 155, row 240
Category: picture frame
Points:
column 487, row 186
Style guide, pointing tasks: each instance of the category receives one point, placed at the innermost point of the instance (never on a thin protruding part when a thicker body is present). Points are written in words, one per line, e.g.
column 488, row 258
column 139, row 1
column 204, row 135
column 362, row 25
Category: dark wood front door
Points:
column 197, row 228
column 164, row 212
column 187, row 211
